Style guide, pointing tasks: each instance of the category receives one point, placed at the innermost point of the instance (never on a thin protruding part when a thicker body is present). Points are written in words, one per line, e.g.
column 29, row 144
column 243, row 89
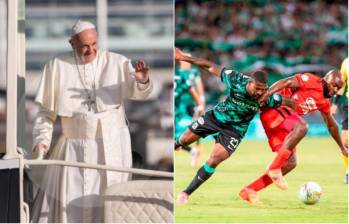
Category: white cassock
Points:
column 93, row 133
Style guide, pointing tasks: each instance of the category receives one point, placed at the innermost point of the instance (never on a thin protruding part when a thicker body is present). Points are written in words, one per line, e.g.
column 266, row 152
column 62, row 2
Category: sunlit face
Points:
column 334, row 82
column 257, row 89
column 85, row 45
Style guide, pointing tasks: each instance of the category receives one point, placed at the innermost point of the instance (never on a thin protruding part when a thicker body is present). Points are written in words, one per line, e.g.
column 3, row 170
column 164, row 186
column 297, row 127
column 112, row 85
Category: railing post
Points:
column 11, row 87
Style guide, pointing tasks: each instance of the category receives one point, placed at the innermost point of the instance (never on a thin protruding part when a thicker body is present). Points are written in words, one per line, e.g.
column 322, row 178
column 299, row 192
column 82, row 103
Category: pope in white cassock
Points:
column 85, row 88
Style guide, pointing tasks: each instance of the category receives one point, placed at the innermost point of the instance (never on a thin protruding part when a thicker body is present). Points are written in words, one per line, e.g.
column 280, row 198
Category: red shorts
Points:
column 278, row 123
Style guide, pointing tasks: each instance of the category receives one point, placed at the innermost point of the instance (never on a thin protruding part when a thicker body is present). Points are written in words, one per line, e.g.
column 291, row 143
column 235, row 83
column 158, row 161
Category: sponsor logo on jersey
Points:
column 305, row 77
column 228, row 71
column 240, row 103
column 308, row 106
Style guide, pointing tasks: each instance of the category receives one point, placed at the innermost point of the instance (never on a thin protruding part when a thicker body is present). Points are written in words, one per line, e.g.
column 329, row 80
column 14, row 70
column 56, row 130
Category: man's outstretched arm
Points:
column 200, row 62
column 290, row 82
column 333, row 129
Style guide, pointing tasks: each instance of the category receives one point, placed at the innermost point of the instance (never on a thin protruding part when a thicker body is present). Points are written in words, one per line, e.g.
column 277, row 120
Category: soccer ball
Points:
column 310, row 193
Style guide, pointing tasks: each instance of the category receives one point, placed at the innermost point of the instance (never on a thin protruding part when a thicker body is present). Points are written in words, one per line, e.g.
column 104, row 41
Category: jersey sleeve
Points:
column 307, row 80
column 274, row 100
column 230, row 77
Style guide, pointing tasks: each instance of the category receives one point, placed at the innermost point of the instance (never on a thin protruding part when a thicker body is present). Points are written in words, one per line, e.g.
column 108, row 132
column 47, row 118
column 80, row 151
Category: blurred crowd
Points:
column 277, row 35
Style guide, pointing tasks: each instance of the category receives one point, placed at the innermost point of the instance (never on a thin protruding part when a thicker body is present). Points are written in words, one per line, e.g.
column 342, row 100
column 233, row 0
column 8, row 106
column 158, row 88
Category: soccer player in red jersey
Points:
column 285, row 128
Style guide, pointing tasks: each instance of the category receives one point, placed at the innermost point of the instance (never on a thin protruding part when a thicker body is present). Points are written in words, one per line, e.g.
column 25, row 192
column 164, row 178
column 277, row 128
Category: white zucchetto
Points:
column 82, row 25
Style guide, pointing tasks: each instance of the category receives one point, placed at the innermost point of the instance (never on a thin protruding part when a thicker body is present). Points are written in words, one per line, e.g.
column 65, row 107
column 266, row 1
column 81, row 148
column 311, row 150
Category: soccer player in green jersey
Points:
column 229, row 119
column 188, row 109
column 186, row 96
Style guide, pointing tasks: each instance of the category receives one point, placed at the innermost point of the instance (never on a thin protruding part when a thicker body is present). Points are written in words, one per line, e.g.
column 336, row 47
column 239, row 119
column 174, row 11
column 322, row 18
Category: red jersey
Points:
column 278, row 122
column 309, row 96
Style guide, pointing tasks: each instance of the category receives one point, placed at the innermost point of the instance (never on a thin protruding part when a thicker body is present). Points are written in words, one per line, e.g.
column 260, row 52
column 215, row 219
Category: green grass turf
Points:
column 217, row 200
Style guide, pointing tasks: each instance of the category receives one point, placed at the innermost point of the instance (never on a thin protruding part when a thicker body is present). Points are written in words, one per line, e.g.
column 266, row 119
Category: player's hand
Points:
column 333, row 109
column 179, row 55
column 142, row 71
column 39, row 151
column 263, row 98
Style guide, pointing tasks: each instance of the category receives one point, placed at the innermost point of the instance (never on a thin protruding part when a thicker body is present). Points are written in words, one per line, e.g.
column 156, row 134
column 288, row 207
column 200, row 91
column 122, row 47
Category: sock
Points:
column 186, row 148
column 177, row 144
column 345, row 162
column 260, row 183
column 201, row 176
column 280, row 159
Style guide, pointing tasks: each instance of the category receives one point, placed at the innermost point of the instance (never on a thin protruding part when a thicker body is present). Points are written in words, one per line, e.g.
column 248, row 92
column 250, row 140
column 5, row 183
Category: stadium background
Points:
column 281, row 37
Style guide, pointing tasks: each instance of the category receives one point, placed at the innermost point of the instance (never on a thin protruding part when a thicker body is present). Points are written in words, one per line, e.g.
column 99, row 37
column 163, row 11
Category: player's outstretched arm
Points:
column 200, row 62
column 333, row 129
column 290, row 82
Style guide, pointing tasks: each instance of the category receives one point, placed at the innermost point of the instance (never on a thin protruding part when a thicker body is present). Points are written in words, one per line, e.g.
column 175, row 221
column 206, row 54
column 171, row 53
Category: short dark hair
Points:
column 260, row 76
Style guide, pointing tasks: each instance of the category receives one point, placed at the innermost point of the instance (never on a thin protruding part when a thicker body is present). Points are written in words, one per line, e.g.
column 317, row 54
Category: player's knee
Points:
column 302, row 129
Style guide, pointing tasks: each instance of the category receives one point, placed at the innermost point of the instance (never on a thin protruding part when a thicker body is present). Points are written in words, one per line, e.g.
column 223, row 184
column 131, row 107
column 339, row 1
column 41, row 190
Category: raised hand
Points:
column 142, row 71
column 39, row 151
column 179, row 55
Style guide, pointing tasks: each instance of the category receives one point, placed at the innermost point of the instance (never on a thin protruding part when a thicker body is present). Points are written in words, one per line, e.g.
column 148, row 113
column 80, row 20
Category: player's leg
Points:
column 298, row 130
column 218, row 155
column 196, row 149
column 202, row 127
column 186, row 139
column 249, row 192
column 181, row 124
column 225, row 145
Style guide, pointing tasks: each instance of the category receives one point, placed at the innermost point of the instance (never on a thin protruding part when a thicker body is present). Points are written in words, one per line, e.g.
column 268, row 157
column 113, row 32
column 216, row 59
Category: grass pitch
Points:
column 217, row 200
